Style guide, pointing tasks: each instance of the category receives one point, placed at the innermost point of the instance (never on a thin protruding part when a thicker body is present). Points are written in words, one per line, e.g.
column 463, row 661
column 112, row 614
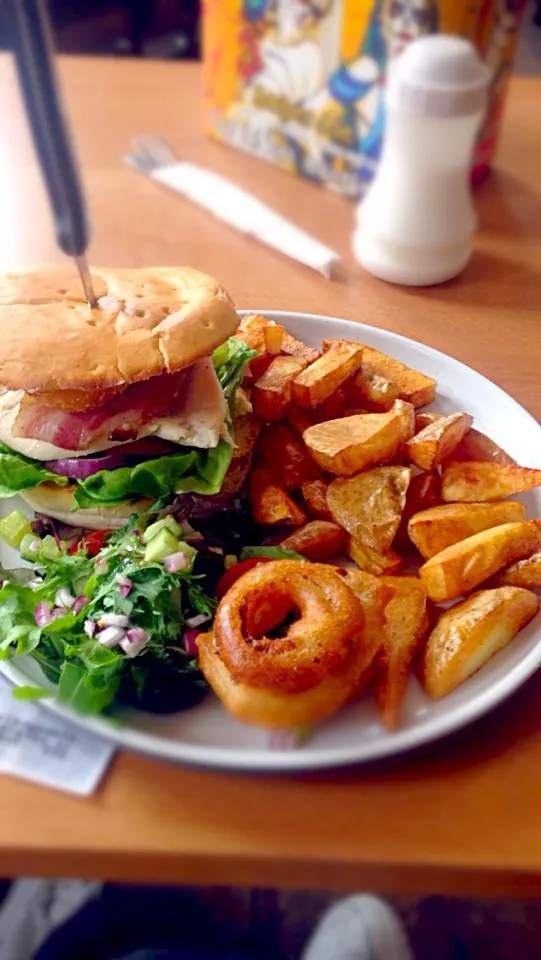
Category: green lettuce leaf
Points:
column 21, row 473
column 229, row 361
column 196, row 471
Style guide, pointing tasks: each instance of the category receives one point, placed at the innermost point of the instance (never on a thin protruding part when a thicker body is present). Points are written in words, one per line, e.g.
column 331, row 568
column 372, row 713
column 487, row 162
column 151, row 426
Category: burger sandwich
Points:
column 105, row 410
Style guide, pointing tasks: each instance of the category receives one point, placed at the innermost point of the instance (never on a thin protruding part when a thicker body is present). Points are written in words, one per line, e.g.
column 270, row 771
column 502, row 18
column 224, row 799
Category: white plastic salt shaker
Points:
column 416, row 222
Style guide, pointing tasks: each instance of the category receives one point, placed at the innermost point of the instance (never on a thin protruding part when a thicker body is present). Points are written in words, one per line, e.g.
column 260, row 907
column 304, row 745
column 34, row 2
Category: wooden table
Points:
column 461, row 817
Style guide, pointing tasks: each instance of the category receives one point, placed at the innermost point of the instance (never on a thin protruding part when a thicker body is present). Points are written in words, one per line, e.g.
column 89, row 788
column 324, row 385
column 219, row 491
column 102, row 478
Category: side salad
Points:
column 107, row 618
column 111, row 617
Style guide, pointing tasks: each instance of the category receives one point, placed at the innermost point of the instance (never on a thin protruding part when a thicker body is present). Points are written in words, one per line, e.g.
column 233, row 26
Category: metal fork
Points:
column 150, row 153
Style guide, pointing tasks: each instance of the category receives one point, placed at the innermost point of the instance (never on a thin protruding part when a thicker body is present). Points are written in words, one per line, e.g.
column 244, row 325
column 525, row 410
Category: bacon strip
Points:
column 118, row 419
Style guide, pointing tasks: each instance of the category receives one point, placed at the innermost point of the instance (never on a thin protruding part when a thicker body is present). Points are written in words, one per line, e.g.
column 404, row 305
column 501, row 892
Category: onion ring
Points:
column 323, row 641
column 266, row 707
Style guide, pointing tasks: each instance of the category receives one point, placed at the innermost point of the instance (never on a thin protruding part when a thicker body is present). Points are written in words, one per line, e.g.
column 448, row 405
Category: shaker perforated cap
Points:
column 439, row 76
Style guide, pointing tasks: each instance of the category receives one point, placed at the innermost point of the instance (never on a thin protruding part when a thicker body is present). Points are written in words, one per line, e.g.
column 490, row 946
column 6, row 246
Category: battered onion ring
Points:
column 266, row 707
column 323, row 642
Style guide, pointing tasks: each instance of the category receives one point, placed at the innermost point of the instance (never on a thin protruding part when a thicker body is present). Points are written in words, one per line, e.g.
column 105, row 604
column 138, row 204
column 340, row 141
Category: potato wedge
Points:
column 468, row 634
column 412, row 385
column 317, row 540
column 271, row 394
column 351, row 444
column 407, row 414
column 270, row 502
column 261, row 334
column 436, row 442
column 463, row 566
column 295, row 348
column 369, row 506
column 373, row 596
column 286, row 456
column 326, row 374
column 436, row 529
column 331, row 408
column 299, row 420
column 423, row 419
column 314, row 494
column 477, row 480
column 371, row 390
column 246, row 431
column 477, row 446
column 256, row 368
column 526, row 573
column 236, row 475
column 370, row 561
column 423, row 493
column 405, row 624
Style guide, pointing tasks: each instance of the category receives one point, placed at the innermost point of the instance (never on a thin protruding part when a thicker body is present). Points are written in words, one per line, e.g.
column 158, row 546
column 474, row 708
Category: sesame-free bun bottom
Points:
column 57, row 502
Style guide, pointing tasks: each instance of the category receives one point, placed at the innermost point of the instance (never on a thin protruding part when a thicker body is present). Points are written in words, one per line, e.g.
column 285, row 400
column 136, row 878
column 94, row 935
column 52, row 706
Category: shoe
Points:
column 359, row 928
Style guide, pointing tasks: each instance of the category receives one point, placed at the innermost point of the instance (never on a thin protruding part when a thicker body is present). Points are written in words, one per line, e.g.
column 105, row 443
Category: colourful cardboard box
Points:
column 301, row 82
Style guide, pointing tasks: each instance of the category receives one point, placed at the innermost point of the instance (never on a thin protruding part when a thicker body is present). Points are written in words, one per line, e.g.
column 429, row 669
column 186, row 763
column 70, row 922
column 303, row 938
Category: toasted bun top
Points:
column 148, row 322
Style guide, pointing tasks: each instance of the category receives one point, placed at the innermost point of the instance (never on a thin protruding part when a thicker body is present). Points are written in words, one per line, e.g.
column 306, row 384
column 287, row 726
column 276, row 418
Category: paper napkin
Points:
column 39, row 746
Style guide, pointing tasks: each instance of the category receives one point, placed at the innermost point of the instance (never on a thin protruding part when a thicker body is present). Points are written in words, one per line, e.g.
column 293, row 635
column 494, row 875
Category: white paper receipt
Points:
column 36, row 745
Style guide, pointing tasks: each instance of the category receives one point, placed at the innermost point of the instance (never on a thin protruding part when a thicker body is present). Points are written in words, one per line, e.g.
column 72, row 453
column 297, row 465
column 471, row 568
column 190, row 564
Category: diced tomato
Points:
column 232, row 575
column 91, row 543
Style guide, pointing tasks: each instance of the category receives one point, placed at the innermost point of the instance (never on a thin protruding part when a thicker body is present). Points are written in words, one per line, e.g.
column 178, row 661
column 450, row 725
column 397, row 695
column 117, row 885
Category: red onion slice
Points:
column 175, row 562
column 125, row 455
column 79, row 604
column 189, row 639
column 42, row 614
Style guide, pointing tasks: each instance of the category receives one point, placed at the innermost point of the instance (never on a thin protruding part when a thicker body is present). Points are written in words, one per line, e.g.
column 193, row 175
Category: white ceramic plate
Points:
column 207, row 735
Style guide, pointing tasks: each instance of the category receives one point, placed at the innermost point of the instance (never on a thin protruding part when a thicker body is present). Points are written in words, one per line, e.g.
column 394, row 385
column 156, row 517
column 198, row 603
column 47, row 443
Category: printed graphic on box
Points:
column 301, row 82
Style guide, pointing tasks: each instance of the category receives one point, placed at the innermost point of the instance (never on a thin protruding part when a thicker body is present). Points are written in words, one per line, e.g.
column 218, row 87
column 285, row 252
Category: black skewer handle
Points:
column 31, row 38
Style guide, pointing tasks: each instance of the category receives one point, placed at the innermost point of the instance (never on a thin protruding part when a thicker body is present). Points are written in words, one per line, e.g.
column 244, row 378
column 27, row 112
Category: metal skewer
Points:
column 31, row 39
column 86, row 279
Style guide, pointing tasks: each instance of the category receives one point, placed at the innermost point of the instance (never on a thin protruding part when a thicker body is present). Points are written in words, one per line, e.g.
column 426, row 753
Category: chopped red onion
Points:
column 198, row 620
column 190, row 636
column 101, row 567
column 217, row 550
column 55, row 614
column 63, row 598
column 79, row 604
column 111, row 636
column 89, row 627
column 175, row 562
column 124, row 584
column 114, row 620
column 135, row 640
column 43, row 614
